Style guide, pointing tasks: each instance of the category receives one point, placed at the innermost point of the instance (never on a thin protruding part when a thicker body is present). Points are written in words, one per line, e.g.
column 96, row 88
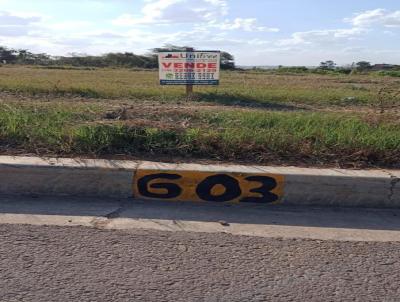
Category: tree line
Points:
column 119, row 59
column 358, row 66
column 330, row 67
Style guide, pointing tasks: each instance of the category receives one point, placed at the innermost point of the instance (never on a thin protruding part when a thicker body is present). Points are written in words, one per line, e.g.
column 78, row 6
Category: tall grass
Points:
column 40, row 127
column 265, row 137
column 280, row 131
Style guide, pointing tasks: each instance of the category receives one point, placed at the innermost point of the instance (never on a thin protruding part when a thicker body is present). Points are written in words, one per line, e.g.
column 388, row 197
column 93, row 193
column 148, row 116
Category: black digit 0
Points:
column 173, row 190
column 232, row 188
column 268, row 184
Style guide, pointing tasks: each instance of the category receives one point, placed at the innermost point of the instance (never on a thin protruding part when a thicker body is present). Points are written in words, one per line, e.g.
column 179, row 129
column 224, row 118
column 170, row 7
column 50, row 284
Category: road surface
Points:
column 96, row 263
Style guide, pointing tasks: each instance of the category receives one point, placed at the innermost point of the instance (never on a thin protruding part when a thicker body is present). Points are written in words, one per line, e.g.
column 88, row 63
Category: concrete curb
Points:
column 111, row 178
column 75, row 177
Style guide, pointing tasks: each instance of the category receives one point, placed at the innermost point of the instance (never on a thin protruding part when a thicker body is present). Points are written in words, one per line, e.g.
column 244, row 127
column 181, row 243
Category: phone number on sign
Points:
column 194, row 76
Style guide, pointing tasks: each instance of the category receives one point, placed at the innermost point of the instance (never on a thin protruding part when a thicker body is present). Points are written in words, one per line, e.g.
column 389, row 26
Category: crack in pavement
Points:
column 117, row 212
column 178, row 224
column 102, row 221
column 394, row 181
column 99, row 222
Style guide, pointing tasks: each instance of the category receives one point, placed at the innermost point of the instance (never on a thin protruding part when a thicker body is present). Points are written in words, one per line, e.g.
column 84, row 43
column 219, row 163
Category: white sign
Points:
column 189, row 67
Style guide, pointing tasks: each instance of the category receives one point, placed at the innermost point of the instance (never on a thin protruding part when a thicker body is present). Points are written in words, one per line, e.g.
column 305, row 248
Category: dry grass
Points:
column 236, row 87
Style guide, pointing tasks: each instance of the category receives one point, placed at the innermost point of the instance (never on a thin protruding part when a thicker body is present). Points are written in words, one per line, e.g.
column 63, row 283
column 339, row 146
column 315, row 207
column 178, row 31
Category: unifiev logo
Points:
column 191, row 55
column 170, row 56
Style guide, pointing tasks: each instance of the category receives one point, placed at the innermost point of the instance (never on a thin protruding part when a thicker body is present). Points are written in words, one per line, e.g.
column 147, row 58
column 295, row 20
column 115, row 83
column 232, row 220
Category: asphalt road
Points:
column 43, row 263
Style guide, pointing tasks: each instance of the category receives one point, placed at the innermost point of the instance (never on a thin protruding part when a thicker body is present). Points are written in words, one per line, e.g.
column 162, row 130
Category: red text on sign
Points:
column 190, row 65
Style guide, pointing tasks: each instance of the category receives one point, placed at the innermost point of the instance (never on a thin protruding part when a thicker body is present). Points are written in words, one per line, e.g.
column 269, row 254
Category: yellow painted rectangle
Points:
column 198, row 186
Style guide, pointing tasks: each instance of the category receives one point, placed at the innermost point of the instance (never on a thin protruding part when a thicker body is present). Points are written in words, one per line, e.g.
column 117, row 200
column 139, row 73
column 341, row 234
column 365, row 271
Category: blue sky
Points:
column 257, row 32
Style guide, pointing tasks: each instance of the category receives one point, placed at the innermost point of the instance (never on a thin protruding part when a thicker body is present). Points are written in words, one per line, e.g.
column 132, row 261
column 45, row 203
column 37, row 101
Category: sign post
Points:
column 189, row 87
column 189, row 68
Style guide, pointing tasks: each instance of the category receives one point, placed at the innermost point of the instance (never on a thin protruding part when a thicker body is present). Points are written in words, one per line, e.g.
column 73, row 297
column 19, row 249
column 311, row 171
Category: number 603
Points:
column 211, row 187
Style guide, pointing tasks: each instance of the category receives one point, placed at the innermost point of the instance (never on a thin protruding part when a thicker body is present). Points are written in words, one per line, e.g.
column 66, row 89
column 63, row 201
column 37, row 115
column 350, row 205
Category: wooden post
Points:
column 189, row 91
column 189, row 88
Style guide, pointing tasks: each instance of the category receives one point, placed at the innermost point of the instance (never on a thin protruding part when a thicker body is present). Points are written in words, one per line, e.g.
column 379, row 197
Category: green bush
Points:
column 392, row 73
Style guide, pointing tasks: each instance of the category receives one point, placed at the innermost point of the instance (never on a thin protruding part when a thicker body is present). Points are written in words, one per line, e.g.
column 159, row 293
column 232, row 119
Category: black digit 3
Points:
column 268, row 184
column 173, row 190
column 232, row 188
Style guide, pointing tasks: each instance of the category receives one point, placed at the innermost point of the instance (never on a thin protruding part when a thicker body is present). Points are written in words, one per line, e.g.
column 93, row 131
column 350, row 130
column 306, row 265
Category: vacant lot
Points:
column 253, row 117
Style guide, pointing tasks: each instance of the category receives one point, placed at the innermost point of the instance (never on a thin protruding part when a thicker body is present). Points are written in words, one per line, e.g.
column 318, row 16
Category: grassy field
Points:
column 253, row 117
column 253, row 87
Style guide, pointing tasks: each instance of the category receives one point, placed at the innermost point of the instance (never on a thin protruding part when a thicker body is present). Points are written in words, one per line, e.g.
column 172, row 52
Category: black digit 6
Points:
column 232, row 188
column 268, row 184
column 173, row 190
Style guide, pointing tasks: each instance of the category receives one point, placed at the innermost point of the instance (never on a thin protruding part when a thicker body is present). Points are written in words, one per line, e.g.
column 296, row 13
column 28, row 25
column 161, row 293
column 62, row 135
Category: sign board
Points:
column 199, row 186
column 189, row 67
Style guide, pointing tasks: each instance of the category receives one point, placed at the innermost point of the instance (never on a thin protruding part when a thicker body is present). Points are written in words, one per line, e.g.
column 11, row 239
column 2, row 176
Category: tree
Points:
column 26, row 57
column 227, row 60
column 126, row 59
column 169, row 47
column 7, row 55
column 42, row 59
column 363, row 65
column 327, row 65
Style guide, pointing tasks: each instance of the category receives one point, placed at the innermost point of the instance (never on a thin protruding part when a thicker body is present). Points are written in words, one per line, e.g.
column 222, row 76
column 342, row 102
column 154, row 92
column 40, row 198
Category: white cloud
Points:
column 204, row 21
column 321, row 36
column 17, row 24
column 354, row 50
column 361, row 23
column 258, row 42
column 389, row 33
column 204, row 24
column 18, row 19
column 69, row 25
column 378, row 16
column 246, row 24
column 175, row 11
column 207, row 13
column 40, row 33
column 32, row 25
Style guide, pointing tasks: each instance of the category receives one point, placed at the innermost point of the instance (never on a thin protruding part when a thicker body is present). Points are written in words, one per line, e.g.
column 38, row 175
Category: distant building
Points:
column 379, row 67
